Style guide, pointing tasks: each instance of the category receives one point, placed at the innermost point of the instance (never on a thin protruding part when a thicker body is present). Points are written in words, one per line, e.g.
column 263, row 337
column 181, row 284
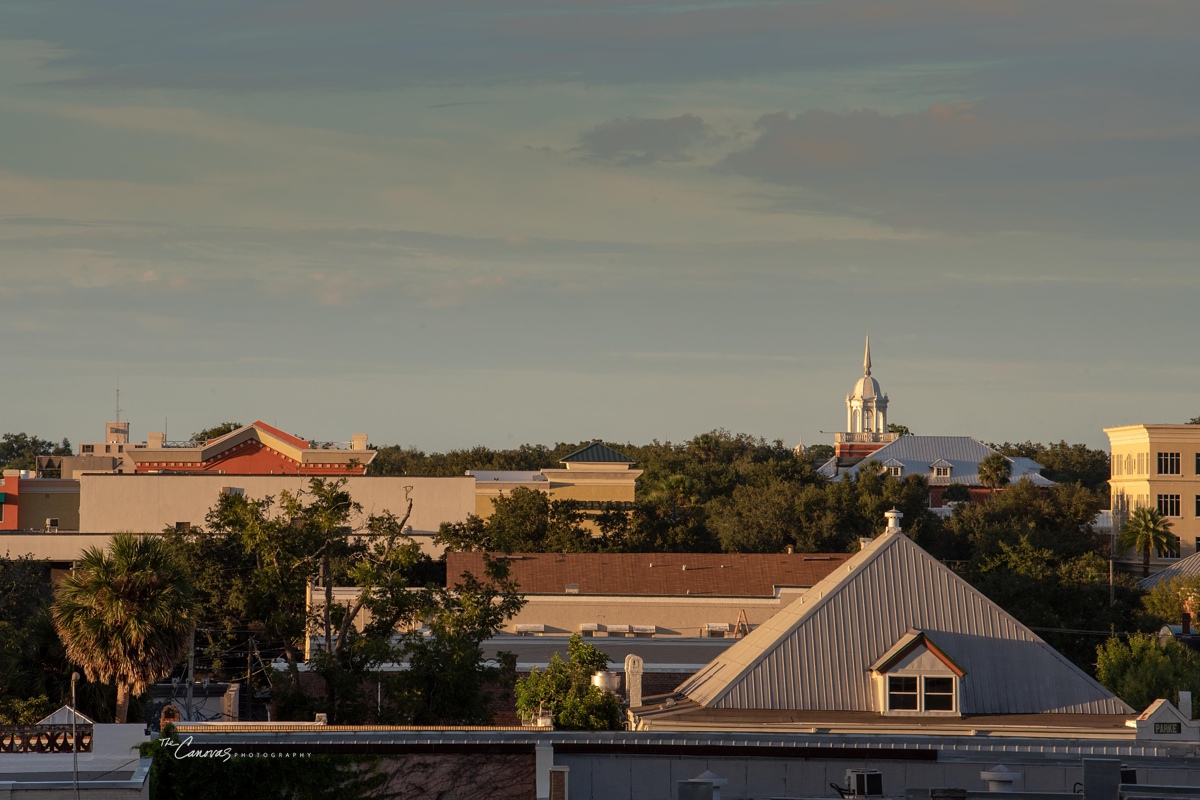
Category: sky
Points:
column 505, row 221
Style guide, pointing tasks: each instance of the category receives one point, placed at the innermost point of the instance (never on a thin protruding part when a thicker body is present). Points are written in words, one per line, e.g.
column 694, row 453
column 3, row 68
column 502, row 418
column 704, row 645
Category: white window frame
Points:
column 1169, row 502
column 1172, row 463
column 941, row 472
column 921, row 678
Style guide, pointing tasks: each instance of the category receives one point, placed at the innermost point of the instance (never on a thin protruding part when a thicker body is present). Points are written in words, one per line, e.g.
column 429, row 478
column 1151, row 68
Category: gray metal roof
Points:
column 919, row 454
column 597, row 453
column 1185, row 568
column 817, row 653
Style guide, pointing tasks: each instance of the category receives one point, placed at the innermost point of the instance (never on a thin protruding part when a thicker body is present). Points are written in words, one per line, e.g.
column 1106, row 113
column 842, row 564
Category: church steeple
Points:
column 866, row 418
column 866, row 406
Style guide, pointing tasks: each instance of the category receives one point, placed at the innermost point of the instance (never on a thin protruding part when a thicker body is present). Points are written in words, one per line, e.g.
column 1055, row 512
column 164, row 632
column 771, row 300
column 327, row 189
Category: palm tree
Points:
column 1146, row 529
column 994, row 471
column 125, row 615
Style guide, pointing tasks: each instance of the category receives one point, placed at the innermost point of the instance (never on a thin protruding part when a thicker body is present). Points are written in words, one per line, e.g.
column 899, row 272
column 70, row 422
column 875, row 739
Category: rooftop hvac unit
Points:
column 864, row 783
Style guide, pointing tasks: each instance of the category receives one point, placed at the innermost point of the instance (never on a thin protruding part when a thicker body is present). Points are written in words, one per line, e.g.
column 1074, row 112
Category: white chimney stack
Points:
column 1185, row 704
column 358, row 441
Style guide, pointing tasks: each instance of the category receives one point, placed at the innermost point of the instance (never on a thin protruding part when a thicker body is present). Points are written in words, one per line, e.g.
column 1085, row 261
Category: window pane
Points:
column 939, row 702
column 902, row 693
column 939, row 685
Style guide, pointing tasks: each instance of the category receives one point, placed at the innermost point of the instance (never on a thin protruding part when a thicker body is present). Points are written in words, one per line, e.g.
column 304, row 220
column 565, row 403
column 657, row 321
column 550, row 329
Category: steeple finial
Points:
column 867, row 357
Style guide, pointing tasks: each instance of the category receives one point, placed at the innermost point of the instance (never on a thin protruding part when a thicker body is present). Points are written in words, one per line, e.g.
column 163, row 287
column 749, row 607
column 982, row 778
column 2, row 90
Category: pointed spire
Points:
column 867, row 357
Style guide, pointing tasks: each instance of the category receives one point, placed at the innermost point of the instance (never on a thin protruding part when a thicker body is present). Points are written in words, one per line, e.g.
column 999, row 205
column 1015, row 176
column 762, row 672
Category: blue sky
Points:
column 496, row 222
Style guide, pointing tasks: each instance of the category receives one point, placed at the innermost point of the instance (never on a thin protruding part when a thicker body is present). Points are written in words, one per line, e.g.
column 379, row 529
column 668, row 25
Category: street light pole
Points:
column 74, row 738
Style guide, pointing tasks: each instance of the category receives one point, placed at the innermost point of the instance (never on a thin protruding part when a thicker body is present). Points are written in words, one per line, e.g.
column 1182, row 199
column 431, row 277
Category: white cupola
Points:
column 866, row 406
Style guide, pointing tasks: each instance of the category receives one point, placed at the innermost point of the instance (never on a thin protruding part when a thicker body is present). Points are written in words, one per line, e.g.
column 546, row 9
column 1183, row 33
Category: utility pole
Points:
column 1112, row 552
column 249, row 691
column 74, row 738
column 191, row 674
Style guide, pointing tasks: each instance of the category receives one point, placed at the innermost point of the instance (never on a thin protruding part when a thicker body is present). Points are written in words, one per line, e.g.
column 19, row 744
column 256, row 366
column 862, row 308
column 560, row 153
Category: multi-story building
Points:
column 596, row 476
column 1158, row 466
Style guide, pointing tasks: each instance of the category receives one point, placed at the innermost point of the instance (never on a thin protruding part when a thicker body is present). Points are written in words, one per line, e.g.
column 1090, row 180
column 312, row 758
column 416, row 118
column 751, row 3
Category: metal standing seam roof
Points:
column 919, row 454
column 817, row 653
column 704, row 574
column 596, row 453
column 1185, row 568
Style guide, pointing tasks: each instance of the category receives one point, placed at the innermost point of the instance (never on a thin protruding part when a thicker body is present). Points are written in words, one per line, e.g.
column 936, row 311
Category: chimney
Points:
column 864, row 541
column 893, row 518
column 790, row 549
column 358, row 441
column 634, row 668
column 154, row 441
column 1185, row 704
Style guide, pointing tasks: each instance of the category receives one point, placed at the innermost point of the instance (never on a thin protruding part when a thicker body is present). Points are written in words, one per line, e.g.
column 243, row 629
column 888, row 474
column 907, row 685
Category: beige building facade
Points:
column 150, row 503
column 1157, row 466
column 597, row 476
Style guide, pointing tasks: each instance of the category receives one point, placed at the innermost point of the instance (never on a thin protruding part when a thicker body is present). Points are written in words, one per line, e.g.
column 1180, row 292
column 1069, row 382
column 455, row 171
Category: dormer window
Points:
column 917, row 677
column 941, row 468
column 893, row 467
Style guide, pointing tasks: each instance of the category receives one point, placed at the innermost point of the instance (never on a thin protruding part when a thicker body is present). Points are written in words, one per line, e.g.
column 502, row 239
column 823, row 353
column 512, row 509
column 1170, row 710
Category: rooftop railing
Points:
column 43, row 738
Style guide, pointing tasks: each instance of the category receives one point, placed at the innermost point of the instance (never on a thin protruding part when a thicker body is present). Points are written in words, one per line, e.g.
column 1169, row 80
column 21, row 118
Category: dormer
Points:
column 893, row 467
column 1164, row 721
column 941, row 468
column 916, row 677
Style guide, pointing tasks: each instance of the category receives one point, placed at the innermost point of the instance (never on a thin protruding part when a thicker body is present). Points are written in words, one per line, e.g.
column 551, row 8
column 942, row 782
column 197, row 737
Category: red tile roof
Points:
column 711, row 574
column 295, row 441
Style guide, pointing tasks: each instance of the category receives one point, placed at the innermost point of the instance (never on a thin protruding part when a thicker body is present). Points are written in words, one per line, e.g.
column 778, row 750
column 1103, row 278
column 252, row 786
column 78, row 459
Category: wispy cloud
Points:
column 636, row 141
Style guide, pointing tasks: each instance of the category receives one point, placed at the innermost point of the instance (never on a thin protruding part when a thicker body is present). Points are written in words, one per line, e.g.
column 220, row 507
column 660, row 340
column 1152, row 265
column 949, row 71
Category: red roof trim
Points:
column 921, row 639
column 295, row 441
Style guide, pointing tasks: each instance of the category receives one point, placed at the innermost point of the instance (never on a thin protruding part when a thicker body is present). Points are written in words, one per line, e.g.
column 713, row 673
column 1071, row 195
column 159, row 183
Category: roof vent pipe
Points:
column 893, row 518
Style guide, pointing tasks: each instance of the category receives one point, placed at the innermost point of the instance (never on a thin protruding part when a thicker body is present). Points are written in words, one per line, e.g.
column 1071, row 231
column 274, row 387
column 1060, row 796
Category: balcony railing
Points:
column 43, row 738
column 866, row 437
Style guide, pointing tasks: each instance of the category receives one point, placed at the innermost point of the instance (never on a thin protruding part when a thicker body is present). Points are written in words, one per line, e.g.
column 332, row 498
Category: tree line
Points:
column 246, row 574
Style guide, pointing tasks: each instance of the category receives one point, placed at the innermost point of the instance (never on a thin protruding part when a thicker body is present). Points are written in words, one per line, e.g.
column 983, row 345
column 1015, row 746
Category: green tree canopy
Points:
column 447, row 681
column 125, row 614
column 255, row 559
column 1065, row 463
column 756, row 519
column 215, row 432
column 995, row 471
column 1166, row 602
column 900, row 429
column 523, row 521
column 20, row 450
column 956, row 493
column 565, row 689
column 1142, row 670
